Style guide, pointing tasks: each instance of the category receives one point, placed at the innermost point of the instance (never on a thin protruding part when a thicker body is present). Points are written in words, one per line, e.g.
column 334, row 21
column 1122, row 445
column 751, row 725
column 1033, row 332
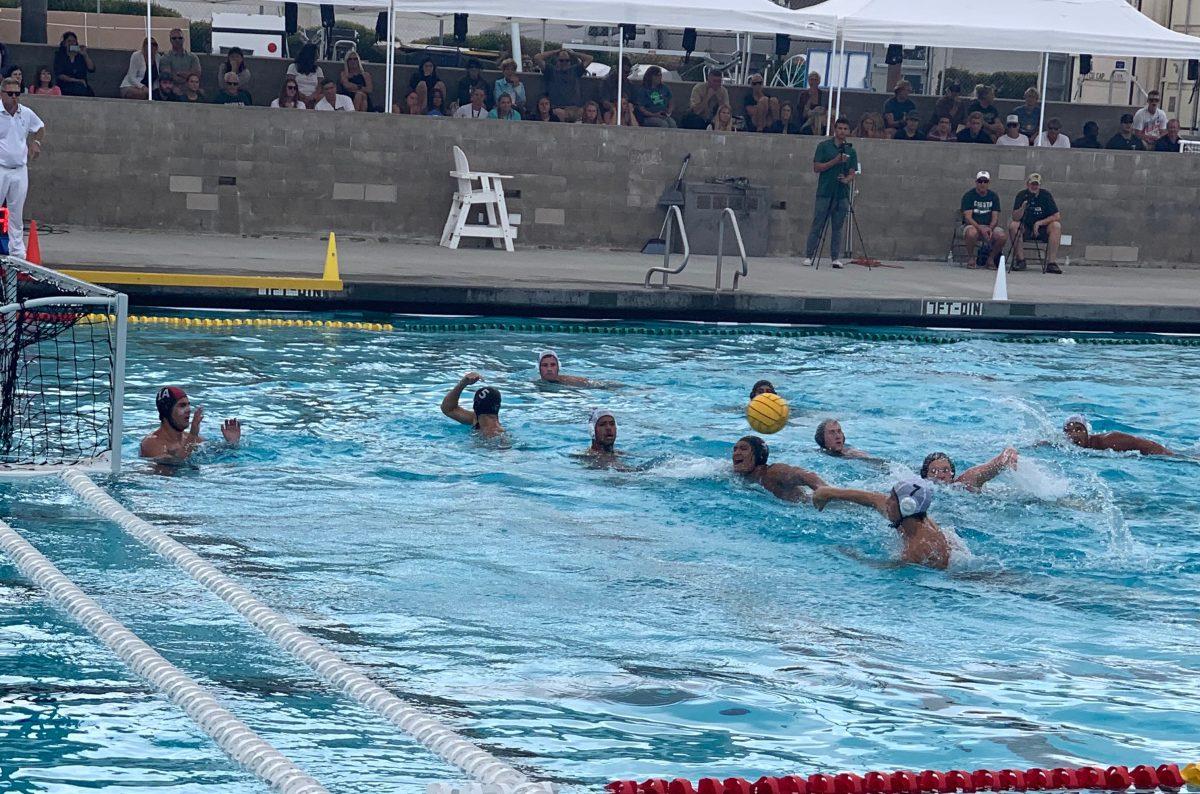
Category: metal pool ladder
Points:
column 674, row 216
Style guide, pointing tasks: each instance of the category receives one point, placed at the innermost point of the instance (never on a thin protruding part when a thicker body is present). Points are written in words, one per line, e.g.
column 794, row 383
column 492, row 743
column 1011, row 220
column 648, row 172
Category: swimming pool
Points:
column 587, row 624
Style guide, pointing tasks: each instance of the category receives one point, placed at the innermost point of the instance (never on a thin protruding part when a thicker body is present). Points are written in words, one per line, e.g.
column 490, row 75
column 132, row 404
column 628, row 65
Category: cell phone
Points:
column 73, row 48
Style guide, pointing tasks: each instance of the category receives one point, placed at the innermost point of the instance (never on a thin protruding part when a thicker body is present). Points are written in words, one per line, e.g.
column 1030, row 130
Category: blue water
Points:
column 586, row 624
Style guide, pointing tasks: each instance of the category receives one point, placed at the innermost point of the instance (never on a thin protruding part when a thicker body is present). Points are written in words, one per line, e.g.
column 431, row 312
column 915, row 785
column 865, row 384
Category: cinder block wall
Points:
column 142, row 165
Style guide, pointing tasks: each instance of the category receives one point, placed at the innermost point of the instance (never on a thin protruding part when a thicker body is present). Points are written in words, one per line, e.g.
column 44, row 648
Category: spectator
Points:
column 44, row 84
column 706, row 99
column 896, row 109
column 1150, row 122
column 981, row 218
column 654, row 100
column 942, row 131
column 543, row 110
column 356, row 83
column 510, row 83
column 177, row 63
column 3, row 55
column 308, row 75
column 439, row 104
column 910, row 131
column 21, row 133
column 871, row 126
column 835, row 163
column 974, row 131
column 16, row 73
column 758, row 109
column 136, row 83
column 984, row 104
column 233, row 94
column 475, row 109
column 469, row 82
column 723, row 121
column 561, row 79
column 72, row 64
column 628, row 114
column 1169, row 142
column 289, row 95
column 1029, row 115
column 1125, row 139
column 425, row 79
column 504, row 109
column 332, row 100
column 164, row 89
column 235, row 61
column 815, row 123
column 786, row 124
column 1036, row 217
column 1053, row 138
column 413, row 106
column 810, row 97
column 950, row 106
column 590, row 113
column 1012, row 133
column 191, row 90
column 1090, row 138
column 608, row 89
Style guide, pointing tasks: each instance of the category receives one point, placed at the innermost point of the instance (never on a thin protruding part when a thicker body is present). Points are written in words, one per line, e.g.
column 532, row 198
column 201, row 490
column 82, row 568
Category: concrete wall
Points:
column 141, row 165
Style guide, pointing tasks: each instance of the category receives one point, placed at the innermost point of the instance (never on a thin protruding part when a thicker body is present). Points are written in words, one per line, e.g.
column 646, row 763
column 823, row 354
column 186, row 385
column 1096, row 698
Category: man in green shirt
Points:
column 981, row 217
column 836, row 163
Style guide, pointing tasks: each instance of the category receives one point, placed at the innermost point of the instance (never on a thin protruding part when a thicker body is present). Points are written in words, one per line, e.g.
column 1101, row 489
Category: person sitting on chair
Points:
column 1035, row 217
column 981, row 219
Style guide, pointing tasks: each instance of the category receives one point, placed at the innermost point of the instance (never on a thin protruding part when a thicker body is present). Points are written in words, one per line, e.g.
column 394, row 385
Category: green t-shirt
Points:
column 827, row 181
column 981, row 207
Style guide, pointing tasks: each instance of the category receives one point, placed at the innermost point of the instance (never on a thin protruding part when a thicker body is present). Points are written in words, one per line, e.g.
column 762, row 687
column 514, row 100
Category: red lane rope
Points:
column 1115, row 778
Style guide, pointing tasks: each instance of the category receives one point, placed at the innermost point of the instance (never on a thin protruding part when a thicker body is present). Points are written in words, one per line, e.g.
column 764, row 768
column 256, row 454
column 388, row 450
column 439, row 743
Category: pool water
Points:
column 587, row 624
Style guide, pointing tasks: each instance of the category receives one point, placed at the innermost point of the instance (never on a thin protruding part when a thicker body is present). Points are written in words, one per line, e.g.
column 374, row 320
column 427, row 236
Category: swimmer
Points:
column 939, row 468
column 603, row 453
column 548, row 371
column 750, row 455
column 832, row 441
column 1079, row 431
column 762, row 387
column 169, row 443
column 485, row 405
column 905, row 507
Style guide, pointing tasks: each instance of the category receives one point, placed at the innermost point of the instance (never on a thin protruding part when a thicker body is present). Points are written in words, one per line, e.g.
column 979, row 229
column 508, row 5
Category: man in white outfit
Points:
column 17, row 124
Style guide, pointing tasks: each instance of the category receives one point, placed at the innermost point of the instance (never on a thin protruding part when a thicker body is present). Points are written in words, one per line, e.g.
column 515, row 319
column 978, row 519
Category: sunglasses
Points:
column 13, row 93
column 1013, row 124
column 229, row 83
column 292, row 88
column 982, row 181
column 177, row 38
column 756, row 82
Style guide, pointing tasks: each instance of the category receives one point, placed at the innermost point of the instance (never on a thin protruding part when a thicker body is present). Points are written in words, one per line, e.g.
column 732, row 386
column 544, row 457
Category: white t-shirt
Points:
column 1061, row 142
column 340, row 102
column 1152, row 124
column 298, row 106
column 14, row 130
column 468, row 112
column 1021, row 140
column 307, row 83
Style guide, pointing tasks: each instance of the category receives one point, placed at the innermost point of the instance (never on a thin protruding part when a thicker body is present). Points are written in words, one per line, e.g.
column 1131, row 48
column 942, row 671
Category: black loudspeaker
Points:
column 290, row 13
column 689, row 43
column 783, row 45
column 895, row 54
column 1085, row 64
column 327, row 20
column 628, row 31
column 460, row 28
column 381, row 26
column 1193, row 70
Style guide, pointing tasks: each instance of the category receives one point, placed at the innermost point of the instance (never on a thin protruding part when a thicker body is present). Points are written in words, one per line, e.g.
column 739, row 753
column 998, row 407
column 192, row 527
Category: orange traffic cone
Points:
column 33, row 251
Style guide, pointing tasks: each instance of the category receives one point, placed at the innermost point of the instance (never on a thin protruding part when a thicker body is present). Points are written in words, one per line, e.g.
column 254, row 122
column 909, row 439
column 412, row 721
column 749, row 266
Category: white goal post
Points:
column 62, row 372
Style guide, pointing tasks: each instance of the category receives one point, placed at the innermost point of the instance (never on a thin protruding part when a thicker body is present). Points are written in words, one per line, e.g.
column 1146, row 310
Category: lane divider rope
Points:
column 451, row 747
column 922, row 337
column 231, row 734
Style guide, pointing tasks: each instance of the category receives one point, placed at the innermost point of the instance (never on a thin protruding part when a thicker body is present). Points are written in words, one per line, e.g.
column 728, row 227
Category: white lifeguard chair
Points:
column 477, row 187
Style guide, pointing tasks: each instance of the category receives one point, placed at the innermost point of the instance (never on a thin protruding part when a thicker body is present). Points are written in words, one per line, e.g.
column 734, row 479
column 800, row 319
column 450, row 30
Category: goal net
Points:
column 62, row 354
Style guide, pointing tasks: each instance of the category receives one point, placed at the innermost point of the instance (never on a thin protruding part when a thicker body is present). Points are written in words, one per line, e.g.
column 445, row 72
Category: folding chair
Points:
column 958, row 246
column 1026, row 244
column 490, row 193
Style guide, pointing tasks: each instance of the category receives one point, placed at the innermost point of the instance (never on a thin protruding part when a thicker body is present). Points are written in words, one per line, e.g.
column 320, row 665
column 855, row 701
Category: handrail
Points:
column 737, row 235
column 668, row 226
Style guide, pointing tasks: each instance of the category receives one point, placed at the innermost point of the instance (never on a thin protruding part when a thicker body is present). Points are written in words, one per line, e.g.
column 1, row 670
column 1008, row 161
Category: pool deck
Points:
column 422, row 278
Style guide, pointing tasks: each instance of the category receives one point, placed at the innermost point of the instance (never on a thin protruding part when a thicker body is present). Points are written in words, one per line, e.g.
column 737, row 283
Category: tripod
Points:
column 852, row 224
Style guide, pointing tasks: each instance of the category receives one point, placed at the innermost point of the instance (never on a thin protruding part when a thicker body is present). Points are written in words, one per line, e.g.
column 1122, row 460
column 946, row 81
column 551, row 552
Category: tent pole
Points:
column 620, row 70
column 390, row 60
column 749, row 55
column 1045, row 81
column 514, row 32
column 841, row 74
column 149, row 58
column 542, row 48
column 829, row 73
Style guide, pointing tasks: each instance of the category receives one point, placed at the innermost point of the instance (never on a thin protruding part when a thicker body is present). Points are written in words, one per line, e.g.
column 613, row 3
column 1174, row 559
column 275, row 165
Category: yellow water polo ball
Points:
column 767, row 413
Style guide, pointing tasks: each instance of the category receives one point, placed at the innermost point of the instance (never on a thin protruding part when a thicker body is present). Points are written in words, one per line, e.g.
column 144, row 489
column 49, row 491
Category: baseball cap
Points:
column 1035, row 177
column 984, row 175
column 1126, row 118
column 1012, row 119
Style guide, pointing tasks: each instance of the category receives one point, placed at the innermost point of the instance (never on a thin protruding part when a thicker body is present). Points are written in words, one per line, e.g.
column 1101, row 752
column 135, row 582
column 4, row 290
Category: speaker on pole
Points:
column 1193, row 72
column 783, row 45
column 290, row 14
column 689, row 43
column 628, row 31
column 895, row 55
column 327, row 19
column 1085, row 64
column 460, row 29
column 381, row 26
